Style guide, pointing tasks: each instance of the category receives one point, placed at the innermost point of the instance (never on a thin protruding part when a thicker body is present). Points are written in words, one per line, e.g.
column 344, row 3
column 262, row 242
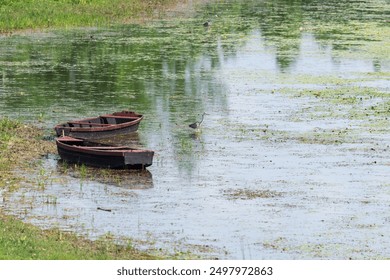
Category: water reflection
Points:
column 127, row 179
column 132, row 66
column 252, row 141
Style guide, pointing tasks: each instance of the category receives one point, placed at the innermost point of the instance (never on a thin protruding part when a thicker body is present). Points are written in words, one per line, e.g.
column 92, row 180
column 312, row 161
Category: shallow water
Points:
column 291, row 161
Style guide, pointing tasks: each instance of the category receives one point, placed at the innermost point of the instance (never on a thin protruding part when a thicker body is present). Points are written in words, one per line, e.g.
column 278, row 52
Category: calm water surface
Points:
column 291, row 161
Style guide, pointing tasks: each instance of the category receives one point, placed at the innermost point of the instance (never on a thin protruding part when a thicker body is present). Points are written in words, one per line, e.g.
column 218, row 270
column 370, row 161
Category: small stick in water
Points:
column 107, row 210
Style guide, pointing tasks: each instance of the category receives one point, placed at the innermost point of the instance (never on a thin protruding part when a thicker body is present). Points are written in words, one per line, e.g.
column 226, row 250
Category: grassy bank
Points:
column 37, row 14
column 23, row 241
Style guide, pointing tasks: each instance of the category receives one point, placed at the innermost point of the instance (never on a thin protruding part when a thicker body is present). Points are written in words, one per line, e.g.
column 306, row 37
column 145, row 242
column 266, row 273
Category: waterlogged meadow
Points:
column 291, row 161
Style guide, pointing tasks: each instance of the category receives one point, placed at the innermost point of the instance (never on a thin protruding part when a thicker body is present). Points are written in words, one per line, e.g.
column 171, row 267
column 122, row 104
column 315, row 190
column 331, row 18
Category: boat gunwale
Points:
column 106, row 151
column 133, row 120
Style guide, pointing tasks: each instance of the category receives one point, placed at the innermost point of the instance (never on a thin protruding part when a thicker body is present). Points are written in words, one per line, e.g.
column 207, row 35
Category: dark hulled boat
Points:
column 100, row 155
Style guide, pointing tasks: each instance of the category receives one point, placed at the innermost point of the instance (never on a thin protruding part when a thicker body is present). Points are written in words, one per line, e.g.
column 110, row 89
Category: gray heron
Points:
column 196, row 125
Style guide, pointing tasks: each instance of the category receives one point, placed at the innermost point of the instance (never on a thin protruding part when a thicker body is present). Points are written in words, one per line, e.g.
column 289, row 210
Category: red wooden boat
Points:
column 101, row 127
column 100, row 155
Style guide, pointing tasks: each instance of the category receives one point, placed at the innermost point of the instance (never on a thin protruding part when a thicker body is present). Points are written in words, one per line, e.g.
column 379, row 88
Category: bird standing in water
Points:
column 196, row 125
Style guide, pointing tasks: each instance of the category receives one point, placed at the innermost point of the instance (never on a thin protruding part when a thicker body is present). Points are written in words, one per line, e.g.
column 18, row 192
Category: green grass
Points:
column 38, row 14
column 21, row 241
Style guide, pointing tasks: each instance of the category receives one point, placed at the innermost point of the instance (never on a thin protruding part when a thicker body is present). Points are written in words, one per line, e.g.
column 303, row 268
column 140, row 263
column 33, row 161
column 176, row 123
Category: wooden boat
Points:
column 101, row 127
column 100, row 155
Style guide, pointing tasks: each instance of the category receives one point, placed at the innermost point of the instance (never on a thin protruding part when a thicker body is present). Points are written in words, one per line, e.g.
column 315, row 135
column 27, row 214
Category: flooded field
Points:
column 291, row 161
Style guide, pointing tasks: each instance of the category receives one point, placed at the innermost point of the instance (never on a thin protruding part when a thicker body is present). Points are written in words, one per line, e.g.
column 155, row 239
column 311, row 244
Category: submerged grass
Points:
column 20, row 146
column 246, row 194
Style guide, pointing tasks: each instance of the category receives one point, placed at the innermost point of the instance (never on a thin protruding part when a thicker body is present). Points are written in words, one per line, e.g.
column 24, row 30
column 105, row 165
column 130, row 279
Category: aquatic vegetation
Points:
column 326, row 137
column 245, row 194
column 42, row 179
column 345, row 94
column 51, row 199
column 83, row 171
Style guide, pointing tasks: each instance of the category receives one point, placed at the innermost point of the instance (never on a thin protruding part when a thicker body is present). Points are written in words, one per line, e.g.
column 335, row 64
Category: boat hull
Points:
column 78, row 151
